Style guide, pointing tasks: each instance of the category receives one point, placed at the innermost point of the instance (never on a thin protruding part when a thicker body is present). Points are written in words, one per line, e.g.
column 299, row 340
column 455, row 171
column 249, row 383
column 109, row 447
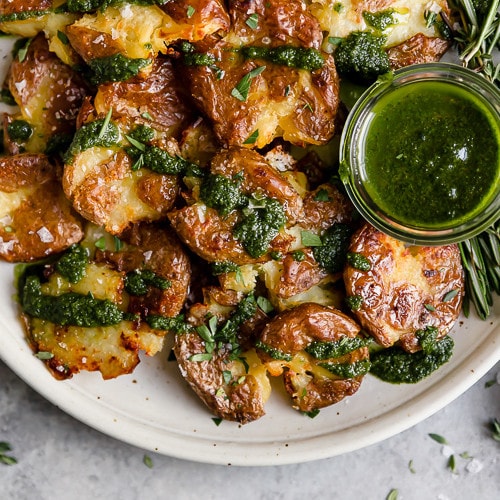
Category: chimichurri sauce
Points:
column 431, row 156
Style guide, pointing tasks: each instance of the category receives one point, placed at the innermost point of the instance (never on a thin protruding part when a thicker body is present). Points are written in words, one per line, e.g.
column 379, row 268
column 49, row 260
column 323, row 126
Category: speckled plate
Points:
column 154, row 409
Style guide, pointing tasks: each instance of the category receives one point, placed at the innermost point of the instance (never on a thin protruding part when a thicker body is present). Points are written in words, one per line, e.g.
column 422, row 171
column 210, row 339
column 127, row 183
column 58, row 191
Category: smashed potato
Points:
column 49, row 94
column 400, row 290
column 283, row 99
column 36, row 219
column 229, row 378
column 319, row 352
column 90, row 309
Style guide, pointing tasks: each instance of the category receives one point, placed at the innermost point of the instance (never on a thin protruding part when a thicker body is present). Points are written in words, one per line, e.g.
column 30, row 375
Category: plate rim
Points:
column 98, row 415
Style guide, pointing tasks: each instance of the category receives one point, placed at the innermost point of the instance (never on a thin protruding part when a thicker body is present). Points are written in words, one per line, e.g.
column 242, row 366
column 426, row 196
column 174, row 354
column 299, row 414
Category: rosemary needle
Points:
column 476, row 38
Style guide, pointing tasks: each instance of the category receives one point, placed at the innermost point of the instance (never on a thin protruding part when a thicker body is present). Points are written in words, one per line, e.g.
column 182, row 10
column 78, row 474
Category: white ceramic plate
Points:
column 154, row 409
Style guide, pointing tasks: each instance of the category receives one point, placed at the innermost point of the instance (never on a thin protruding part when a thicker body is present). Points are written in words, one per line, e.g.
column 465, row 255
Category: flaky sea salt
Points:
column 474, row 466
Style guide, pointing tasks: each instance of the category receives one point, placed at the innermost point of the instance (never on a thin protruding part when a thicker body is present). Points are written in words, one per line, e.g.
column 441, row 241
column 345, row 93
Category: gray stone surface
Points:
column 61, row 458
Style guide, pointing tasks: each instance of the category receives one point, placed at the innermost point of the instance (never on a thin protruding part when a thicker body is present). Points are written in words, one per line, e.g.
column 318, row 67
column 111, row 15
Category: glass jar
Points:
column 420, row 154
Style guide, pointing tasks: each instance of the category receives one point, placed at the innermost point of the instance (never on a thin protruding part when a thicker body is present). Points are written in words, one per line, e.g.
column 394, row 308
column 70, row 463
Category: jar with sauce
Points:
column 420, row 154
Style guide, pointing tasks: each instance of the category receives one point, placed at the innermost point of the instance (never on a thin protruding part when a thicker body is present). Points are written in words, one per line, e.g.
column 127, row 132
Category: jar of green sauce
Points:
column 420, row 154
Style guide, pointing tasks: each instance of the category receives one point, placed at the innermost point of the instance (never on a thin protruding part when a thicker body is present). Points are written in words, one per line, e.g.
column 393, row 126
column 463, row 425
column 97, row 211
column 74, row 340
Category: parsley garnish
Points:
column 439, row 439
column 147, row 461
column 253, row 21
column 4, row 458
column 241, row 90
column 310, row 239
column 252, row 138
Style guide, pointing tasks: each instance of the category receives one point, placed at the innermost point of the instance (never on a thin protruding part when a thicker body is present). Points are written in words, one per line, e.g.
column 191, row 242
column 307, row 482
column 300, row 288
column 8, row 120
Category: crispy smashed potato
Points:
column 297, row 104
column 36, row 219
column 141, row 31
column 311, row 346
column 403, row 289
column 148, row 275
column 214, row 358
column 49, row 94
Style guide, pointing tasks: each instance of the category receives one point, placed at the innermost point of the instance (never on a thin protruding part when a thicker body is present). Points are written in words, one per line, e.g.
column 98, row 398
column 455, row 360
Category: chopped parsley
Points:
column 242, row 88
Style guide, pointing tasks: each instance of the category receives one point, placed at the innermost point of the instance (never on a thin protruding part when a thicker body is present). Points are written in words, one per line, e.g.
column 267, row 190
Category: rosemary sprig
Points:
column 481, row 261
column 476, row 38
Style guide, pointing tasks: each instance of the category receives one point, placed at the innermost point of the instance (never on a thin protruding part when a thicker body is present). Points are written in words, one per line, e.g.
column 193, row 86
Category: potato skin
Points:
column 156, row 248
column 295, row 104
column 210, row 235
column 160, row 96
column 242, row 402
column 48, row 92
column 291, row 332
column 418, row 49
column 405, row 289
column 280, row 20
column 38, row 220
column 325, row 206
column 258, row 177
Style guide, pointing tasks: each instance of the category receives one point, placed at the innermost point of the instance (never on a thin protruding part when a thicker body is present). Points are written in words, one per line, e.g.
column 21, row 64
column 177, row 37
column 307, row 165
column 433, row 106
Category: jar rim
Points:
column 355, row 130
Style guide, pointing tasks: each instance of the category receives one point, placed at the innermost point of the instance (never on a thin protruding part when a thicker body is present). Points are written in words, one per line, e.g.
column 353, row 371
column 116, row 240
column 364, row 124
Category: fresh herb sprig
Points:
column 481, row 261
column 476, row 38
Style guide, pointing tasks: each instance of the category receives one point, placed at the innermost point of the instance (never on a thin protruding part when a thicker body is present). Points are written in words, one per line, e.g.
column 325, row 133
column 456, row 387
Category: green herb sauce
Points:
column 380, row 20
column 115, row 68
column 348, row 370
column 361, row 56
column 331, row 255
column 222, row 193
column 326, row 350
column 273, row 352
column 139, row 281
column 73, row 263
column 19, row 130
column 397, row 366
column 68, row 309
column 287, row 55
column 431, row 155
column 259, row 226
column 177, row 324
column 93, row 134
column 358, row 261
column 354, row 302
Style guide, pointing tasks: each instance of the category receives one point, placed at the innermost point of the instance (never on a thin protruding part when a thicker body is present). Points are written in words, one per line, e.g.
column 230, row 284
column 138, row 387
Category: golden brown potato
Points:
column 155, row 248
column 258, row 177
column 222, row 384
column 35, row 11
column 146, row 275
column 297, row 276
column 277, row 20
column 142, row 31
column 210, row 235
column 405, row 289
column 48, row 92
column 159, row 100
column 36, row 220
column 418, row 49
column 227, row 376
column 296, row 104
column 106, row 188
column 409, row 18
column 207, row 234
column 111, row 349
column 319, row 352
column 325, row 206
column 197, row 19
